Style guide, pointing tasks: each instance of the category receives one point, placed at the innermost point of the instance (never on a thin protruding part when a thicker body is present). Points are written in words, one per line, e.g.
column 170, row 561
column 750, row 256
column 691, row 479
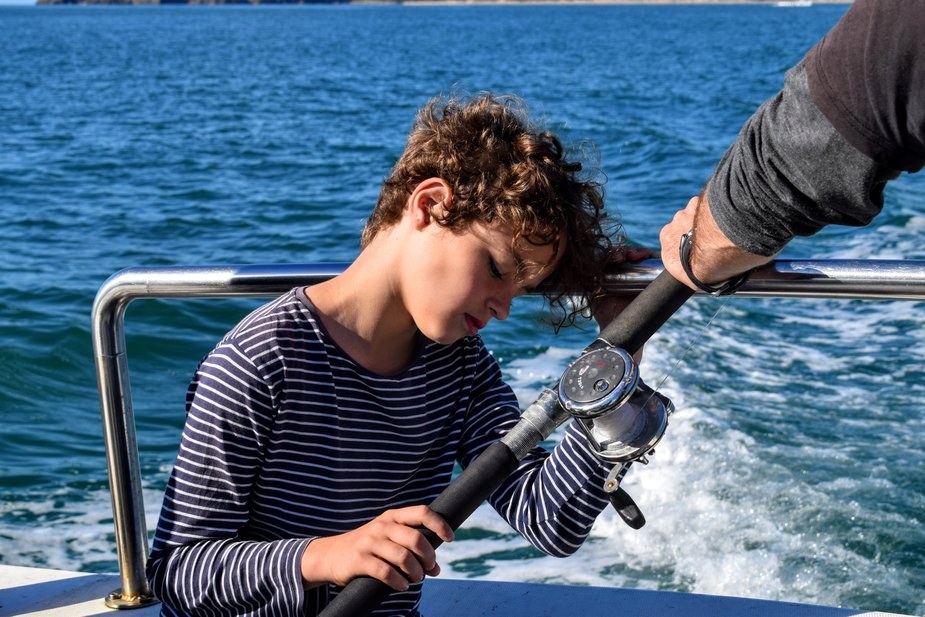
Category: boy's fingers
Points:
column 638, row 253
column 415, row 546
column 439, row 526
column 630, row 253
column 408, row 562
column 425, row 517
column 407, row 555
column 390, row 576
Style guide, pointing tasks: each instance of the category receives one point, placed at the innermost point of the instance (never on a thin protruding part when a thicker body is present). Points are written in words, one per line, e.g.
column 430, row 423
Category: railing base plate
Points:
column 117, row 601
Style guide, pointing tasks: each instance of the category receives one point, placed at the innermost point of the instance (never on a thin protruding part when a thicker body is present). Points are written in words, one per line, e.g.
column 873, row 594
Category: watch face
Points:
column 597, row 381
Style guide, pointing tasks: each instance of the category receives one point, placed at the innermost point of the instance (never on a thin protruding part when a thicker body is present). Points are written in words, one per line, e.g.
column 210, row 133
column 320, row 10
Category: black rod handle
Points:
column 456, row 503
column 646, row 313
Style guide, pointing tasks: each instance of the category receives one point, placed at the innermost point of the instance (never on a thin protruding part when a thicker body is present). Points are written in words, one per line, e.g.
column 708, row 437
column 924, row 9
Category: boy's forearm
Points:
column 220, row 576
column 554, row 504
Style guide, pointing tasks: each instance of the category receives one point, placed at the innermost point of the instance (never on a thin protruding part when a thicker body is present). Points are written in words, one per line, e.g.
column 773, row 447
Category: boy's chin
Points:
column 447, row 340
column 445, row 337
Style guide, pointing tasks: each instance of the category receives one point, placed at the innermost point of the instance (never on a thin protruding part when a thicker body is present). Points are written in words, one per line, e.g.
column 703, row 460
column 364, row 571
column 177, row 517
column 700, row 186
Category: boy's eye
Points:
column 493, row 268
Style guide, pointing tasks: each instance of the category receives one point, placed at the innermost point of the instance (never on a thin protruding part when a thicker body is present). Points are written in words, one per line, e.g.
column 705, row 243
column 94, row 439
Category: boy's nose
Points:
column 500, row 308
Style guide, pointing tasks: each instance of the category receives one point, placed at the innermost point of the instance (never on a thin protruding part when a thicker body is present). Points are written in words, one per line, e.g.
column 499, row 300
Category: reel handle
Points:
column 627, row 509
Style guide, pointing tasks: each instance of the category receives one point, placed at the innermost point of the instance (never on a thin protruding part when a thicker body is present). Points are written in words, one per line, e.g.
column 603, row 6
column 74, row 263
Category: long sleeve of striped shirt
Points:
column 288, row 439
column 552, row 499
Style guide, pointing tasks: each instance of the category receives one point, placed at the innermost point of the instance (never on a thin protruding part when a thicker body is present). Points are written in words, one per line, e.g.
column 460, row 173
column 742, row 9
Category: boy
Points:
column 322, row 422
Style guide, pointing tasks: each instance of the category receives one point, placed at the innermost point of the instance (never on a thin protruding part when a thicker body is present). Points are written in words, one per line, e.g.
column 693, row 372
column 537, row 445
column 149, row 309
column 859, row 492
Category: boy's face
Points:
column 461, row 280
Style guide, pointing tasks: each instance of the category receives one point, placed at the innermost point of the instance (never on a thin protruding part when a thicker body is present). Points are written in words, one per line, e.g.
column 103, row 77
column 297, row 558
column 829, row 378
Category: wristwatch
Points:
column 725, row 289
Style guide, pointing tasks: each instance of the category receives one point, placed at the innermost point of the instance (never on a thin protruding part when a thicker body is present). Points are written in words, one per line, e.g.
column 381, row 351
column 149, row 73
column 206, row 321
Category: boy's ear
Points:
column 430, row 198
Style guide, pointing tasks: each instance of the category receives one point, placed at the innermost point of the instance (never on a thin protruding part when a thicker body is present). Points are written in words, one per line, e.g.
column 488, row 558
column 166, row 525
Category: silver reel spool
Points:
column 621, row 416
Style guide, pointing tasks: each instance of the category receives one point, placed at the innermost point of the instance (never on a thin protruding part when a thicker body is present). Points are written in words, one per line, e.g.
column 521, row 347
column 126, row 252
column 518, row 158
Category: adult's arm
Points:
column 797, row 164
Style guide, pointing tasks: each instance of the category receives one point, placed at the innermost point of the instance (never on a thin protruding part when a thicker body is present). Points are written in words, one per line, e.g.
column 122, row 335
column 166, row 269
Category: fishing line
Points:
column 694, row 339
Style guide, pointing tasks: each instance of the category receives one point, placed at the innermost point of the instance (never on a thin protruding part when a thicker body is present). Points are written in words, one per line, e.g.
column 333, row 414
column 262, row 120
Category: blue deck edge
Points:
column 467, row 597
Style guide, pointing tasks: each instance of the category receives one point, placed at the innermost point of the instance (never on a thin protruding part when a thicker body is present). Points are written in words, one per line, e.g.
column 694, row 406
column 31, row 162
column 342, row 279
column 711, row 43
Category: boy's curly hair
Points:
column 503, row 168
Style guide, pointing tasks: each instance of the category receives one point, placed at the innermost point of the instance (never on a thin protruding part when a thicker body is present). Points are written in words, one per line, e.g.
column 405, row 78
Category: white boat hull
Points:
column 36, row 592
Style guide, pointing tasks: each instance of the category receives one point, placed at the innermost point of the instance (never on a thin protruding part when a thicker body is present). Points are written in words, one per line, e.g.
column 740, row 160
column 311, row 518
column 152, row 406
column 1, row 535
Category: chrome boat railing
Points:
column 860, row 279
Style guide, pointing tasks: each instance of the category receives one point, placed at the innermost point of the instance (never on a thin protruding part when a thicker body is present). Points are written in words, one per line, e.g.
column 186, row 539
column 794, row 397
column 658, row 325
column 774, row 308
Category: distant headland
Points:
column 448, row 2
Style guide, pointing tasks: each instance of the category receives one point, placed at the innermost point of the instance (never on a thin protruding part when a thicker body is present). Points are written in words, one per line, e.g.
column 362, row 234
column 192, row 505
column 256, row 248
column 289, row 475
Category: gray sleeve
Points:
column 790, row 173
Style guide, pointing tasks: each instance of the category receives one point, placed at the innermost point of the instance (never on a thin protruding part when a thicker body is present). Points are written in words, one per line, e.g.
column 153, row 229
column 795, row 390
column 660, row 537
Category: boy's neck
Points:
column 365, row 317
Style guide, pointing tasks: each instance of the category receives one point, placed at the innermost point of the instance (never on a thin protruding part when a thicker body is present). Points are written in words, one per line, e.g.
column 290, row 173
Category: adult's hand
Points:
column 714, row 257
column 388, row 548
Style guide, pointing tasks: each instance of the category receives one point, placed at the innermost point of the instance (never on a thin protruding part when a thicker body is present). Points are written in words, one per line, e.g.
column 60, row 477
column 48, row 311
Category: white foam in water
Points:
column 80, row 541
column 722, row 516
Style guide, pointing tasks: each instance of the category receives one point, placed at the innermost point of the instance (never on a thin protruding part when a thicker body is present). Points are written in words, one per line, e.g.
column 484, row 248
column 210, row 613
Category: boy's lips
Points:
column 473, row 325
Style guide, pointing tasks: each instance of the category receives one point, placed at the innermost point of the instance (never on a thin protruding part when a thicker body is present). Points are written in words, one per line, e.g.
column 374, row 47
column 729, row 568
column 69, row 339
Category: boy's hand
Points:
column 607, row 308
column 388, row 548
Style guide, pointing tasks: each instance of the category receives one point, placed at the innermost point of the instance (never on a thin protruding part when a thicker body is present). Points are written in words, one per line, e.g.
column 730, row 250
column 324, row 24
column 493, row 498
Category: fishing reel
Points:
column 621, row 416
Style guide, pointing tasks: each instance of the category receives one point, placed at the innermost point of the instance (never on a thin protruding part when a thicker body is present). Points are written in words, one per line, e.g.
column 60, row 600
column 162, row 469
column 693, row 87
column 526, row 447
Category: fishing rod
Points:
column 622, row 417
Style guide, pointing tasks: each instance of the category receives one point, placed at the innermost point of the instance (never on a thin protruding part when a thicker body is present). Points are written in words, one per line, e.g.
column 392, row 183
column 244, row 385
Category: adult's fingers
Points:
column 670, row 240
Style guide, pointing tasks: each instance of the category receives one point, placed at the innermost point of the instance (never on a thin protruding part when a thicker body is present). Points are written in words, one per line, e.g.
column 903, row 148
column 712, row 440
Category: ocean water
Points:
column 205, row 135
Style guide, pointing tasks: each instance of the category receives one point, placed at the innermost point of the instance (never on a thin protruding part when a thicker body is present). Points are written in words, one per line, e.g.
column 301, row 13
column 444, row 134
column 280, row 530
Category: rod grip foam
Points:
column 646, row 313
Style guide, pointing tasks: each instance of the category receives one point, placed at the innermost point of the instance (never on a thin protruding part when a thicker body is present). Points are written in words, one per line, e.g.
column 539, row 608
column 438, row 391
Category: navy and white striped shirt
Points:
column 288, row 439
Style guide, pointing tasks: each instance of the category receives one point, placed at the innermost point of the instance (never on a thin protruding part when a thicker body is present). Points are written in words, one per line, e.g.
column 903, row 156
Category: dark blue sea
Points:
column 141, row 136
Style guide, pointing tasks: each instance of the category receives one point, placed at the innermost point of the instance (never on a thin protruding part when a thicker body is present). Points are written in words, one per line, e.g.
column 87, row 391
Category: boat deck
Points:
column 35, row 592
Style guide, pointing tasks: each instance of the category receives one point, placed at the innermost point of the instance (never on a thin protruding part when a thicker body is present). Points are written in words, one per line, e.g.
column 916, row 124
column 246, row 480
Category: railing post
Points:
column 109, row 348
column 121, row 448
